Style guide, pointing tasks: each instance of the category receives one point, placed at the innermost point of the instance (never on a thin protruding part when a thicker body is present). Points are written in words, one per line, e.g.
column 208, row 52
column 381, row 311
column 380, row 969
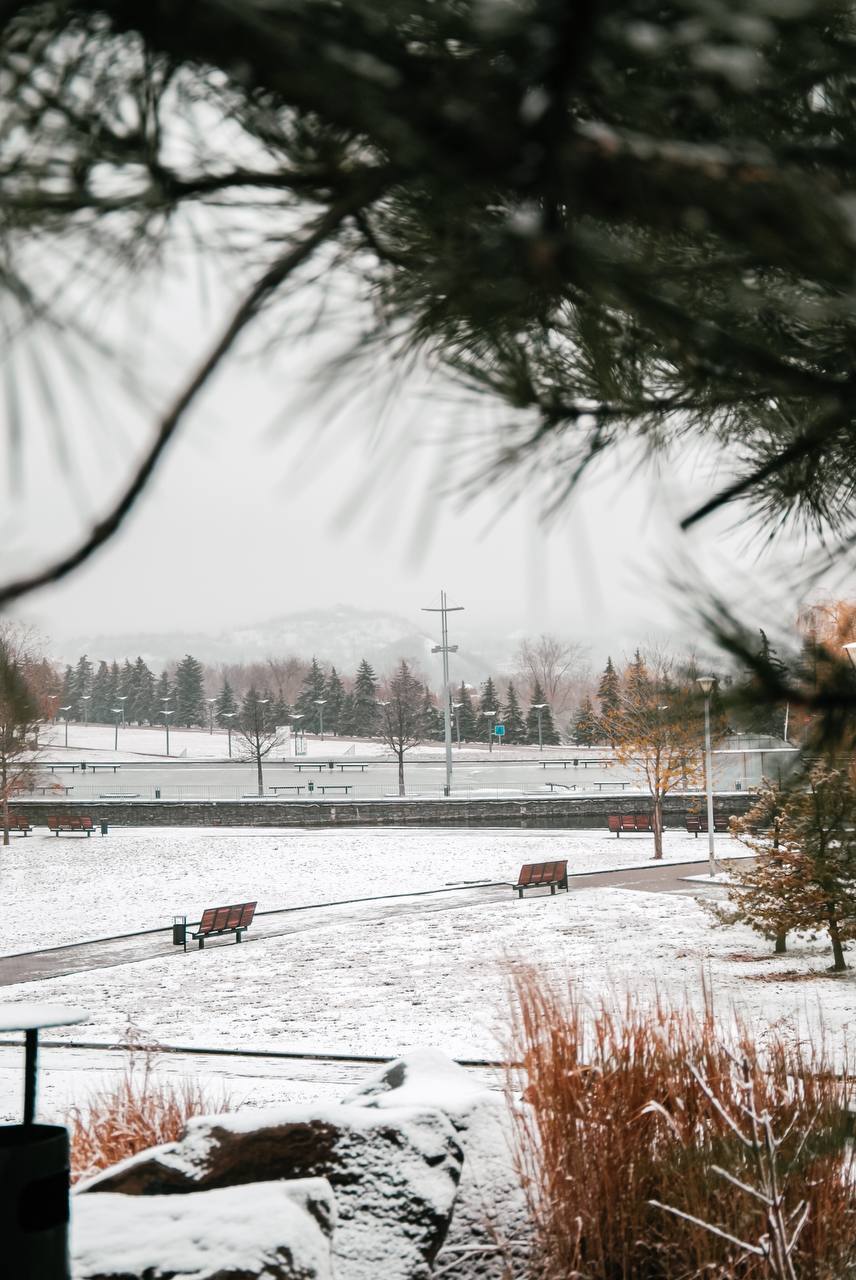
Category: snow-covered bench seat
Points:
column 218, row 920
column 534, row 874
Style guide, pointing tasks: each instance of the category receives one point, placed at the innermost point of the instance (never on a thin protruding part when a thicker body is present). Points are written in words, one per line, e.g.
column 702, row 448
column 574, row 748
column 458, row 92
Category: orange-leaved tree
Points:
column 657, row 727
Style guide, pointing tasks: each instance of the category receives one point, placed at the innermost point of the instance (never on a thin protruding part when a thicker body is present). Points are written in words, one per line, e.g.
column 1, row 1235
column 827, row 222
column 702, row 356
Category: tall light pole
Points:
column 707, row 683
column 229, row 715
column 490, row 715
column 166, row 715
column 117, row 711
column 123, row 698
column 539, row 707
column 320, row 703
column 445, row 648
column 211, row 702
column 84, row 698
column 456, row 707
column 66, row 710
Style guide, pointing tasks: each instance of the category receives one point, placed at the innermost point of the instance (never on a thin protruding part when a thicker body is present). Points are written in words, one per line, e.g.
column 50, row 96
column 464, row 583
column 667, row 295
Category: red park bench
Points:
column 73, row 822
column 17, row 822
column 533, row 874
column 219, row 920
column 624, row 822
column 721, row 826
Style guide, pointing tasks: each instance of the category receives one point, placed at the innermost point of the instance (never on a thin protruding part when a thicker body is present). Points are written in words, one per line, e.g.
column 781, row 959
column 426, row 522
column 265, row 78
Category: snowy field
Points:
column 69, row 889
column 378, row 985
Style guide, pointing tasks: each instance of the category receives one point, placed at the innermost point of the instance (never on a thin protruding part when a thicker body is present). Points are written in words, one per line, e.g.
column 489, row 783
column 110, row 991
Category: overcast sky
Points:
column 280, row 497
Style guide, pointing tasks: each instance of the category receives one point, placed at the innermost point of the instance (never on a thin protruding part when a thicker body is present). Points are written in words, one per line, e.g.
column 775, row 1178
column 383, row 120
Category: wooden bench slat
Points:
column 535, row 874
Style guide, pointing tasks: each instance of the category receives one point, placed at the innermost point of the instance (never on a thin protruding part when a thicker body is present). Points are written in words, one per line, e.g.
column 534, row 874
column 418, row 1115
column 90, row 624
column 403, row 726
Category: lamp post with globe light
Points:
column 539, row 707
column 65, row 717
column 707, row 683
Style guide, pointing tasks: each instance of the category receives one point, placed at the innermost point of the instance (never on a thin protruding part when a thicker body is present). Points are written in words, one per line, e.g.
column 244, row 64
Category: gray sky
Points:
column 280, row 497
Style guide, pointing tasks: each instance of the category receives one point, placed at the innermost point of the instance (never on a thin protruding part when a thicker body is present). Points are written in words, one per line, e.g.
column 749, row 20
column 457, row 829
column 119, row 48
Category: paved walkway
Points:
column 105, row 953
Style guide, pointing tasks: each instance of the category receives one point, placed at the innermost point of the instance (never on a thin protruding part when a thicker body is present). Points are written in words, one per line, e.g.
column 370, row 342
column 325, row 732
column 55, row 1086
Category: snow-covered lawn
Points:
column 69, row 889
column 441, row 978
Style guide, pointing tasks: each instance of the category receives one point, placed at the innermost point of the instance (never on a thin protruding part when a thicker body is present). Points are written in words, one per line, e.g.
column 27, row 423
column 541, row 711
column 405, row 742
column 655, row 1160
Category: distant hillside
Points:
column 340, row 635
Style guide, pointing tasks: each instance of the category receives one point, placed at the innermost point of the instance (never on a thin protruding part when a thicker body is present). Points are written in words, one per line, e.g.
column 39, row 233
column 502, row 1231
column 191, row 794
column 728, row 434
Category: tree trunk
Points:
column 5, row 793
column 260, row 775
column 835, row 938
column 657, row 825
column 781, row 944
column 401, row 773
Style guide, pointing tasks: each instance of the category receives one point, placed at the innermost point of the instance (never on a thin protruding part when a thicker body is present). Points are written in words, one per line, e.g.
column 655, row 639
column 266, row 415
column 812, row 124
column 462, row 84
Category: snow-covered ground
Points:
column 381, row 985
column 69, row 889
column 136, row 742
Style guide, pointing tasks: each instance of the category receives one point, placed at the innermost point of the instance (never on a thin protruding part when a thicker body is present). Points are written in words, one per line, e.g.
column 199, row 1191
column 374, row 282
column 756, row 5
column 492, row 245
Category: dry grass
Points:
column 618, row 1119
column 132, row 1115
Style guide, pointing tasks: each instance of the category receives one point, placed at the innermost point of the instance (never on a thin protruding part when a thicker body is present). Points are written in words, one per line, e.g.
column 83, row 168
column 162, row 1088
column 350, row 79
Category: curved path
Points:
column 104, row 953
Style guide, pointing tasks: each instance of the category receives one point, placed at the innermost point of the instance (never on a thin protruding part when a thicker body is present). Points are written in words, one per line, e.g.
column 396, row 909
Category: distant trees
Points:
column 804, row 874
column 401, row 718
column 586, row 728
column 557, row 665
column 189, row 692
column 540, row 726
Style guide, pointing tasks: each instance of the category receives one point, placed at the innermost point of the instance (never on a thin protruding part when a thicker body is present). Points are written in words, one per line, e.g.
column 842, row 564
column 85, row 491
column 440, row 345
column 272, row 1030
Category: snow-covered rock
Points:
column 394, row 1174
column 259, row 1231
column 489, row 1218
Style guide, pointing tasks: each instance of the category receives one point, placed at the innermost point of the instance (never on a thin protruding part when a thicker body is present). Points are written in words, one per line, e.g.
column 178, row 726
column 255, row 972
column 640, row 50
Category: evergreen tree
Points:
column 432, row 720
column 586, row 730
column 346, row 715
column 765, row 717
column 81, row 686
column 124, row 687
column 609, row 691
column 465, row 714
column 804, row 874
column 334, row 692
column 164, row 697
column 314, row 689
column 548, row 734
column 66, row 696
column 226, row 704
column 103, row 695
column 190, row 706
column 141, row 707
column 636, row 675
column 366, row 711
column 515, row 725
column 488, row 702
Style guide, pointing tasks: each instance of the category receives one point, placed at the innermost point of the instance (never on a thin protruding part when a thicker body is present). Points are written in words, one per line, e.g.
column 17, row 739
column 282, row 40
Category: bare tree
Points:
column 557, row 664
column 401, row 723
column 19, row 726
column 255, row 733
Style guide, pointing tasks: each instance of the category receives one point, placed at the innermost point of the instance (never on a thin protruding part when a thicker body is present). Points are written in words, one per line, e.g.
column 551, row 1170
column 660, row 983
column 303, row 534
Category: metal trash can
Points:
column 103, row 828
column 34, row 1174
column 179, row 931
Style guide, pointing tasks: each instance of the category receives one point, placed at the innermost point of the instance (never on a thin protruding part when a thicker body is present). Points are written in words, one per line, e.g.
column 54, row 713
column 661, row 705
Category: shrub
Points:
column 631, row 1105
column 138, row 1112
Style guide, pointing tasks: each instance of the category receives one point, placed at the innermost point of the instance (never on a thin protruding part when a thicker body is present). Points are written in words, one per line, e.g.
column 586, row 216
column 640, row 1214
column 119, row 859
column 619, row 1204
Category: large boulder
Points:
column 394, row 1174
column 259, row 1231
column 489, row 1223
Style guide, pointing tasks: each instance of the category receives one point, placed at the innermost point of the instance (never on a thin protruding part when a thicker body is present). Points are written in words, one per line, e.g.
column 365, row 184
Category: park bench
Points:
column 17, row 822
column 624, row 822
column 219, row 920
column 73, row 822
column 696, row 825
column 535, row 874
column 287, row 788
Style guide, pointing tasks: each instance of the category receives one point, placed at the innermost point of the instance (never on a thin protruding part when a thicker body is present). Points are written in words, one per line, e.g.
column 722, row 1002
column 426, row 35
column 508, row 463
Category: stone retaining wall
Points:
column 554, row 811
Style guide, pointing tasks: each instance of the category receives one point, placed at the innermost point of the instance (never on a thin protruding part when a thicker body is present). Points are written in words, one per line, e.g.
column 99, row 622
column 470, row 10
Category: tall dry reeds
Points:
column 136, row 1113
column 629, row 1106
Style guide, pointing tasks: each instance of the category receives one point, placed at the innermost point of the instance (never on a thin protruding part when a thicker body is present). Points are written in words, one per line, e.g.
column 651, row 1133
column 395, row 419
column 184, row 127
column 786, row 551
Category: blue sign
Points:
column 499, row 730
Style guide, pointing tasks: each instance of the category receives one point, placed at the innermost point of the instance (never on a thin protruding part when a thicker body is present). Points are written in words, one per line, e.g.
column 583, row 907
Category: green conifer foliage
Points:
column 585, row 729
column 515, row 724
column 334, row 692
column 549, row 734
column 366, row 711
column 226, row 704
column 310, row 698
column 190, row 708
column 609, row 690
column 467, row 721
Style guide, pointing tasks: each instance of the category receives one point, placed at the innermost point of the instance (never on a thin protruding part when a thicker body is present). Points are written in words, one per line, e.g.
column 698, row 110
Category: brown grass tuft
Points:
column 617, row 1119
column 136, row 1113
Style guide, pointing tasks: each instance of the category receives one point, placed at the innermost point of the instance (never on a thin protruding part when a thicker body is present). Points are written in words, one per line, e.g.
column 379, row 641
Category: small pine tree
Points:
column 141, row 707
column 347, row 715
column 365, row 713
column 547, row 734
column 804, row 876
column 465, row 717
column 334, row 692
column 226, row 705
column 586, row 729
column 164, row 697
column 515, row 725
column 609, row 691
column 81, row 689
column 636, row 676
column 309, row 700
column 432, row 720
column 189, row 692
column 102, row 700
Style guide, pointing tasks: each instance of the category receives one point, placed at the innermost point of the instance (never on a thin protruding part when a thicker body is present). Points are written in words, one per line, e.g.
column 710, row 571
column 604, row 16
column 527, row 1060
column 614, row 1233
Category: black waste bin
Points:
column 34, row 1175
column 103, row 828
column 179, row 931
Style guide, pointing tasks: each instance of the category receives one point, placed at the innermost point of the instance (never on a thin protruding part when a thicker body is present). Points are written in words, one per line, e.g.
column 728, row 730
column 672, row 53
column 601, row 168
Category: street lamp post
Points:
column 123, row 698
column 539, row 707
column 84, row 698
column 66, row 710
column 707, row 683
column 456, row 707
column 445, row 648
column 117, row 711
column 320, row 703
column 490, row 715
column 298, row 715
column 166, row 715
column 228, row 715
column 211, row 702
